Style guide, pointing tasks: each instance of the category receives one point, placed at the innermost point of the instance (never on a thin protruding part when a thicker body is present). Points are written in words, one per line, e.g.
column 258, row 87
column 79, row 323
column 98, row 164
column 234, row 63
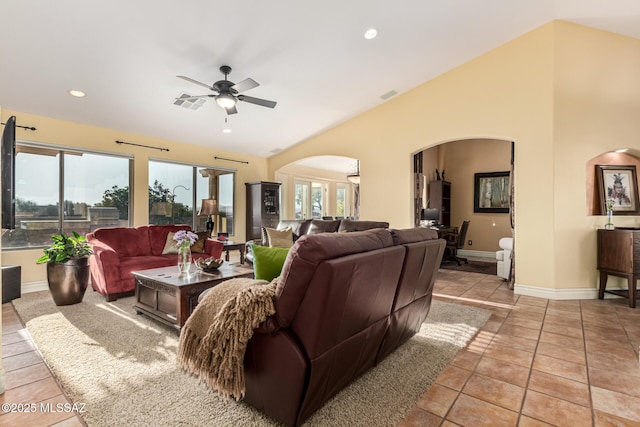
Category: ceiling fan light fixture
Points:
column 226, row 100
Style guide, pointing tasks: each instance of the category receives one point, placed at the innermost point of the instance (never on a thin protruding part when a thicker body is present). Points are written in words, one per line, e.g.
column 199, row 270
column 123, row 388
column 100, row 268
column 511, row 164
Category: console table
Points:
column 619, row 255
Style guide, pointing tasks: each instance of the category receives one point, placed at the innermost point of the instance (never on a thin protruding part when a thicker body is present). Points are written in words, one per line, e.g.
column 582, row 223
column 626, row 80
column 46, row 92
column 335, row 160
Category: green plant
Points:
column 65, row 248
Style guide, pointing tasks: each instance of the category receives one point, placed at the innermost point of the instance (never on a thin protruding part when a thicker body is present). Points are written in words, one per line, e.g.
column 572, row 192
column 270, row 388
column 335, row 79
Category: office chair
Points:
column 455, row 241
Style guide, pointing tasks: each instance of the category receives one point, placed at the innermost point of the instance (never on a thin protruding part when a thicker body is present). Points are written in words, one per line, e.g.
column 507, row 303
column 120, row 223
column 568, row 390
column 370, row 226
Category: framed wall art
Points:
column 491, row 192
column 619, row 185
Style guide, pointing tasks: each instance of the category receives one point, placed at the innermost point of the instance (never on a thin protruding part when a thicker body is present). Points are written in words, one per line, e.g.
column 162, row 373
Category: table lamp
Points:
column 209, row 207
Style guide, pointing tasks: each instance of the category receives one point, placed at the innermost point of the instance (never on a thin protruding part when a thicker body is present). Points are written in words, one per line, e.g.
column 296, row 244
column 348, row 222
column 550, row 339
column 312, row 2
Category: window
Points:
column 342, row 201
column 317, row 200
column 176, row 191
column 92, row 188
column 301, row 202
column 309, row 200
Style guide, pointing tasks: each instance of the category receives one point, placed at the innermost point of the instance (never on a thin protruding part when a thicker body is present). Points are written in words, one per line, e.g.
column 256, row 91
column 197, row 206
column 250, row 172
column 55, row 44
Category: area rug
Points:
column 472, row 266
column 122, row 366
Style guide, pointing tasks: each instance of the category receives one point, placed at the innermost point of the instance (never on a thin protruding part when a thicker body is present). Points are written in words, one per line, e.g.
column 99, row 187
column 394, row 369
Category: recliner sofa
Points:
column 303, row 227
column 344, row 301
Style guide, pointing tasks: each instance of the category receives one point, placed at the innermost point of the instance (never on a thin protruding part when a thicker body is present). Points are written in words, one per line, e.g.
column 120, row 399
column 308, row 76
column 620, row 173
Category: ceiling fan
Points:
column 227, row 93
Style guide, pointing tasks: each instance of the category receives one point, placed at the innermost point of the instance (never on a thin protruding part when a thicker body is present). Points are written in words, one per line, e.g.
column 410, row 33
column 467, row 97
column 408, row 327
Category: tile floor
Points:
column 536, row 362
column 29, row 381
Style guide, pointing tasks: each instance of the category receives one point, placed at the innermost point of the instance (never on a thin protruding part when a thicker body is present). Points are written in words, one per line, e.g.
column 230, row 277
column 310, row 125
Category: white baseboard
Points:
column 477, row 254
column 561, row 294
column 41, row 285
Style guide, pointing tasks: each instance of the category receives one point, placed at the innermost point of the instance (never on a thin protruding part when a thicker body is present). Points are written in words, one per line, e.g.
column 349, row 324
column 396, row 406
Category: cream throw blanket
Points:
column 214, row 339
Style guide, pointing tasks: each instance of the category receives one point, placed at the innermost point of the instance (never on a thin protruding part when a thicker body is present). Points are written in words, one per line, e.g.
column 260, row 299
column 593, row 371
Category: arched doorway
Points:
column 320, row 187
column 458, row 163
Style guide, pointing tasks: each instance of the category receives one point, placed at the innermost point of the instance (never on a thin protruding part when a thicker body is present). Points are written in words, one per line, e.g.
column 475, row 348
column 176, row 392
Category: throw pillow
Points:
column 280, row 238
column 268, row 262
column 170, row 245
column 198, row 246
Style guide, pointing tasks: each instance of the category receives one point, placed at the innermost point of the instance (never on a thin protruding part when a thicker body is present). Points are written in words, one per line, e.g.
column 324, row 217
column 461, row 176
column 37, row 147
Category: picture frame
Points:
column 491, row 192
column 618, row 183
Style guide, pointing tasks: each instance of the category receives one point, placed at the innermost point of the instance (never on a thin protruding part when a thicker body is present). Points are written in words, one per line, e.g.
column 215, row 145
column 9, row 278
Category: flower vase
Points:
column 184, row 259
column 609, row 225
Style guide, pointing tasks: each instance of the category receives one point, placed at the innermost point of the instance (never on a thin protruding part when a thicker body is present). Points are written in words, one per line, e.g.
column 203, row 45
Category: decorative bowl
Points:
column 209, row 264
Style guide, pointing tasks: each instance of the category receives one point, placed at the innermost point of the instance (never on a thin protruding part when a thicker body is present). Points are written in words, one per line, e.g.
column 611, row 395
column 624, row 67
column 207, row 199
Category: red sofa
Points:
column 119, row 251
column 344, row 301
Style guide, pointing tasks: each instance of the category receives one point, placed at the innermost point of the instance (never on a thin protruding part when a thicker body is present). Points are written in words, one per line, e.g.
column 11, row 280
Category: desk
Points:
column 444, row 230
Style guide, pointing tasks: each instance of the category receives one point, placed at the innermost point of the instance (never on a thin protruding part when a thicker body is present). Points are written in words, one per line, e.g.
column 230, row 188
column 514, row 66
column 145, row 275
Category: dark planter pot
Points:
column 68, row 281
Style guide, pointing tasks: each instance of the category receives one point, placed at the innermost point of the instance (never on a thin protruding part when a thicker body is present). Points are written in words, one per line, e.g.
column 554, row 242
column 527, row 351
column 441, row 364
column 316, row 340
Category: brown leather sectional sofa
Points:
column 302, row 227
column 344, row 301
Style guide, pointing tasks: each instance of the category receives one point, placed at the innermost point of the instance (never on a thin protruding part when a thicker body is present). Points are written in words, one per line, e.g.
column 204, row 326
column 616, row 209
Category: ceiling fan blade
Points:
column 189, row 98
column 245, row 85
column 231, row 110
column 189, row 79
column 257, row 101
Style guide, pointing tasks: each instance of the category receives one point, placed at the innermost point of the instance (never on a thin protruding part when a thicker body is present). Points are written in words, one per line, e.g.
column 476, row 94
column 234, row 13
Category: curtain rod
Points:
column 231, row 160
column 141, row 145
column 23, row 127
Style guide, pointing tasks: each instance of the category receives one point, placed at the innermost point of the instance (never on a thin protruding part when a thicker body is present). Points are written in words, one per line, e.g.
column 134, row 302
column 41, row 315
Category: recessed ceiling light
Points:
column 77, row 93
column 226, row 130
column 371, row 33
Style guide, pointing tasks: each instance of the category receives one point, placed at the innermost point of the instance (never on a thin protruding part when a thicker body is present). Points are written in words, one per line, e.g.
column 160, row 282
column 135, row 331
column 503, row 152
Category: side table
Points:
column 619, row 255
column 233, row 246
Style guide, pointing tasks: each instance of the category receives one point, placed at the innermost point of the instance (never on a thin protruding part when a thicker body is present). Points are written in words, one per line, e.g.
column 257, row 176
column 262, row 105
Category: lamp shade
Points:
column 161, row 208
column 208, row 207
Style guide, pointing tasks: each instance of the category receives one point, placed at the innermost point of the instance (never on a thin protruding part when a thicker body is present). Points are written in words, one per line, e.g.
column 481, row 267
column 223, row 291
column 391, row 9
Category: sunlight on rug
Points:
column 123, row 366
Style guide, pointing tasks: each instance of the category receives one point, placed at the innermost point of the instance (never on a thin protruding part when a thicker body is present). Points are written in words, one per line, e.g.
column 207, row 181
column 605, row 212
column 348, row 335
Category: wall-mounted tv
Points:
column 8, row 184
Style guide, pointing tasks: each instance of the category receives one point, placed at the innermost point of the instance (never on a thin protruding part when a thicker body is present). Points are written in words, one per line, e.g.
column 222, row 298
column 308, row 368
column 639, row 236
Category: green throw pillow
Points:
column 268, row 262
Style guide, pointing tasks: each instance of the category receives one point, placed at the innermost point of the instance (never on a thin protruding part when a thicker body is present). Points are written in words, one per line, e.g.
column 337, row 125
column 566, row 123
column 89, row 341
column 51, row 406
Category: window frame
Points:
column 194, row 188
column 62, row 151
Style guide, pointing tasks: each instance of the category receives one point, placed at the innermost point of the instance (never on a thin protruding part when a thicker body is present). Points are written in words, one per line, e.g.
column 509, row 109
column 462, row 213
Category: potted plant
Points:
column 67, row 267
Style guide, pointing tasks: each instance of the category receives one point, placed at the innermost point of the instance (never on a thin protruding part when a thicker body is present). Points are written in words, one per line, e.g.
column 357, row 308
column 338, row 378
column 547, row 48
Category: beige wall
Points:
column 462, row 159
column 564, row 93
column 597, row 105
column 91, row 137
column 506, row 94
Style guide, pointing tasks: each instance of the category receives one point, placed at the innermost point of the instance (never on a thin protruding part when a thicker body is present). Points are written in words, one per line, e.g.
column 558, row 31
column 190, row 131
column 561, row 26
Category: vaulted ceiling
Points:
column 310, row 57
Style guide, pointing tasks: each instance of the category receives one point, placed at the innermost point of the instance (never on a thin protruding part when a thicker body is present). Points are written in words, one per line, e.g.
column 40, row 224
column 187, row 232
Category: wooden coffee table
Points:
column 170, row 298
